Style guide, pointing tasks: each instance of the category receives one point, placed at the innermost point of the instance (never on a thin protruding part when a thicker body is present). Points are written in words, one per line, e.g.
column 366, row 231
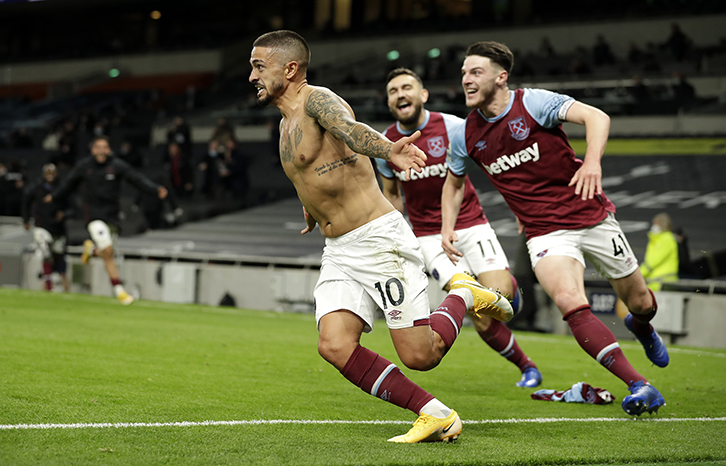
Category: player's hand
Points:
column 48, row 198
column 26, row 225
column 587, row 180
column 406, row 156
column 163, row 192
column 59, row 216
column 447, row 243
column 520, row 226
column 310, row 221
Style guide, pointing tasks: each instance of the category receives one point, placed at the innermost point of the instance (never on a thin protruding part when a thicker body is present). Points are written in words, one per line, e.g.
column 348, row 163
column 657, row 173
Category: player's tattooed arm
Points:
column 333, row 115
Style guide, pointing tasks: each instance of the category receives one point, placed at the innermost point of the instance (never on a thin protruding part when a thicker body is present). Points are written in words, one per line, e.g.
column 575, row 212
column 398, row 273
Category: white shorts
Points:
column 604, row 245
column 47, row 244
column 481, row 249
column 376, row 266
column 101, row 234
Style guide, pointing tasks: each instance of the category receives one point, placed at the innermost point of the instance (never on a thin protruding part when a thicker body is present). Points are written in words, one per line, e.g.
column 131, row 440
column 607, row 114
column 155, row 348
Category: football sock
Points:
column 501, row 340
column 47, row 274
column 641, row 322
column 436, row 408
column 118, row 288
column 446, row 320
column 382, row 379
column 599, row 342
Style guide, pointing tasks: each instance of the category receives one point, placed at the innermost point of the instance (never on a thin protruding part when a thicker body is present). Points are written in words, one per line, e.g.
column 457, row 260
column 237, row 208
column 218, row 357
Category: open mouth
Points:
column 404, row 105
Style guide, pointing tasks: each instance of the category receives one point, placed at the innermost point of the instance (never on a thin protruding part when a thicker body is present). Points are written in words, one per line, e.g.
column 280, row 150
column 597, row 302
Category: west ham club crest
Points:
column 436, row 146
column 519, row 128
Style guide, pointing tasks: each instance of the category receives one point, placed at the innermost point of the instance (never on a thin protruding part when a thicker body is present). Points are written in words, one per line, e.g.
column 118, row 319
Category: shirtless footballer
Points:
column 371, row 258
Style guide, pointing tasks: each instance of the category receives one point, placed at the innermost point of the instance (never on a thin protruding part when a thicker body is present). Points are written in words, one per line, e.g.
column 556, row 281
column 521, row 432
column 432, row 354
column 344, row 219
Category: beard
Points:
column 417, row 109
column 264, row 101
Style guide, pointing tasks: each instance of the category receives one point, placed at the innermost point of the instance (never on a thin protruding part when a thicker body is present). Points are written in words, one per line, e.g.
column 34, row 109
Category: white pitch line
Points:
column 256, row 422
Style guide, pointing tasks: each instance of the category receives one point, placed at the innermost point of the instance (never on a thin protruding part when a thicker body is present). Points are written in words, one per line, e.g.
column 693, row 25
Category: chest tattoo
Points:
column 330, row 166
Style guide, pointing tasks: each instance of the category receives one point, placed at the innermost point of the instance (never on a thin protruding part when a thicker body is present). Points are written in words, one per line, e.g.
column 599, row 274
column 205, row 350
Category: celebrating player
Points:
column 517, row 137
column 480, row 251
column 102, row 174
column 371, row 258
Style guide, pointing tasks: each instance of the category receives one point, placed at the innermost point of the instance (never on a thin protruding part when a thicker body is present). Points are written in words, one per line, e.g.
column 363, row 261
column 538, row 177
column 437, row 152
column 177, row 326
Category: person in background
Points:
column 660, row 264
column 101, row 175
column 49, row 229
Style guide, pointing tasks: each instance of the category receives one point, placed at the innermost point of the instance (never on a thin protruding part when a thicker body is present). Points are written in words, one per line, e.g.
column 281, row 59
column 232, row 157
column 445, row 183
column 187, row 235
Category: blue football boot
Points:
column 655, row 349
column 643, row 397
column 531, row 377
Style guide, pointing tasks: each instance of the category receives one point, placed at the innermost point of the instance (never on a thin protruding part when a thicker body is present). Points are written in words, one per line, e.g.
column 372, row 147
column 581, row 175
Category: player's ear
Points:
column 424, row 96
column 502, row 78
column 291, row 69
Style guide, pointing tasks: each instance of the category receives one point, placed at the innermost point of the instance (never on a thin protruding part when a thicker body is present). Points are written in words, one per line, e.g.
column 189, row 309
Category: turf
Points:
column 75, row 359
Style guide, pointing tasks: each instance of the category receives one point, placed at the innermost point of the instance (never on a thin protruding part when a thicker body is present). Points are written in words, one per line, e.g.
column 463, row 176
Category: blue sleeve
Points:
column 384, row 169
column 548, row 108
column 457, row 158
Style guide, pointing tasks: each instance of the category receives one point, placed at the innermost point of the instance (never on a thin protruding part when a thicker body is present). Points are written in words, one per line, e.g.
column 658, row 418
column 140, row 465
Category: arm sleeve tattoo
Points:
column 329, row 111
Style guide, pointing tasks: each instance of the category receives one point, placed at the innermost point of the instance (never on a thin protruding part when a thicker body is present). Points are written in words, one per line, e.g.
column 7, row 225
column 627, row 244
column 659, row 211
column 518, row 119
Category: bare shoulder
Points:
column 321, row 102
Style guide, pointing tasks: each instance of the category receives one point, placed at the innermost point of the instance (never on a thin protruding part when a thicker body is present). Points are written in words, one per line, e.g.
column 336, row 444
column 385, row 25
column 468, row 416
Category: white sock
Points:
column 436, row 408
column 465, row 294
column 118, row 289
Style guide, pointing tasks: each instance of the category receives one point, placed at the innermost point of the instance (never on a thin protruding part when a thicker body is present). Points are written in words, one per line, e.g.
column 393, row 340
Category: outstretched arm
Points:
column 588, row 179
column 333, row 114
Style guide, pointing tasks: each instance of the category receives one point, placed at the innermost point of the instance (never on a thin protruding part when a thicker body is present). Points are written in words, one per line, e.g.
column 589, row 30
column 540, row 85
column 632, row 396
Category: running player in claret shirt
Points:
column 518, row 140
column 481, row 253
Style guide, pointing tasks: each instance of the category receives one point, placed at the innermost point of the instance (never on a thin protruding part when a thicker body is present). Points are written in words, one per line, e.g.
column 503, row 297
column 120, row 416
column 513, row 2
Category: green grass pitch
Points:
column 85, row 381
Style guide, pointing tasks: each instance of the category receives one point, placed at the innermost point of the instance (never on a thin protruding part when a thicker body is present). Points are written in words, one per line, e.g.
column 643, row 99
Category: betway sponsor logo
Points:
column 505, row 162
column 428, row 171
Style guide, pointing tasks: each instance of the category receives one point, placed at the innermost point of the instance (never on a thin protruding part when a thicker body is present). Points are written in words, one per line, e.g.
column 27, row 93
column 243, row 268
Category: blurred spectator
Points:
column 237, row 162
column 12, row 185
column 660, row 264
column 601, row 53
column 180, row 134
column 178, row 165
column 67, row 146
column 680, row 88
column 130, row 154
column 678, row 43
column 223, row 132
column 215, row 170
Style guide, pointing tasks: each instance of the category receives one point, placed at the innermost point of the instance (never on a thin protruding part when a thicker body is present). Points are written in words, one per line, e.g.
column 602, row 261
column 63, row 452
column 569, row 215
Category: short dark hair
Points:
column 293, row 44
column 401, row 70
column 496, row 51
column 100, row 137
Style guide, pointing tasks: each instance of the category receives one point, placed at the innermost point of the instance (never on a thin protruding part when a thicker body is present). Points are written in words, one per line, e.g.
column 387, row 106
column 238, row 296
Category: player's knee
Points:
column 566, row 300
column 106, row 253
column 336, row 352
column 639, row 301
column 419, row 361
